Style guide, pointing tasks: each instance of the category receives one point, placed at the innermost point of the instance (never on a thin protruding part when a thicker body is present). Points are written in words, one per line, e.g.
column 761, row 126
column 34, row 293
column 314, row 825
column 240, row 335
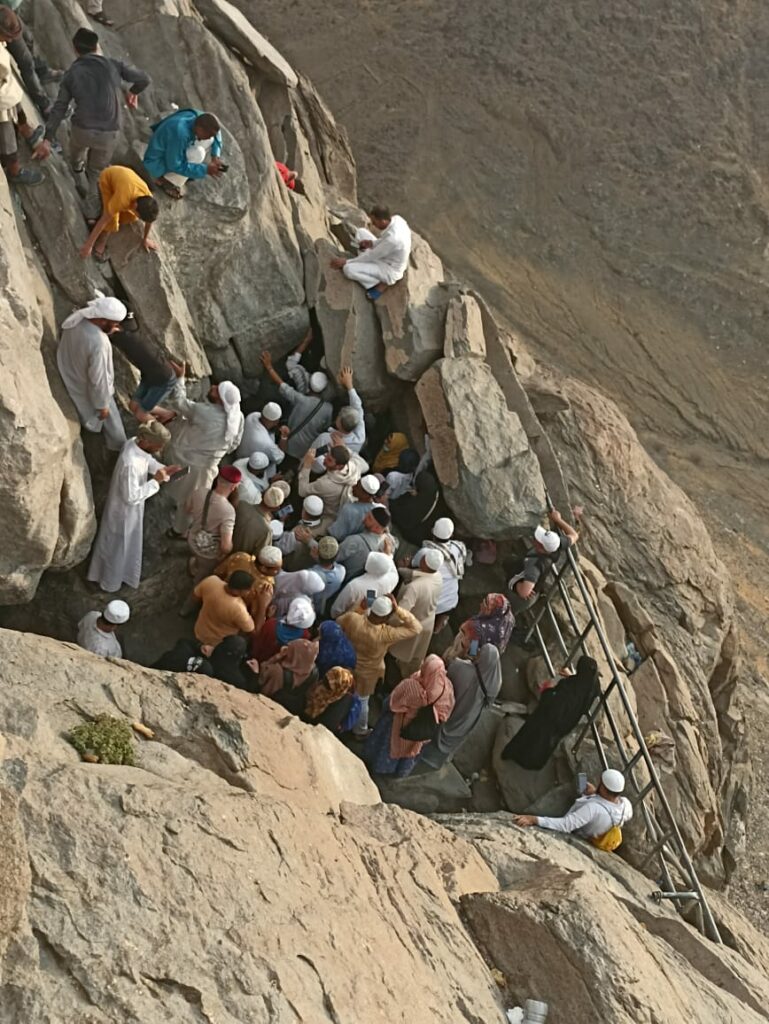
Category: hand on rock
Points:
column 266, row 359
column 148, row 245
column 180, row 369
column 345, row 377
column 524, row 820
column 338, row 262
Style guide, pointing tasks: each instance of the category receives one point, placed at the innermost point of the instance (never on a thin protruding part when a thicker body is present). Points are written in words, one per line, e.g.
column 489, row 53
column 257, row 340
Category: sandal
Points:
column 172, row 191
column 102, row 18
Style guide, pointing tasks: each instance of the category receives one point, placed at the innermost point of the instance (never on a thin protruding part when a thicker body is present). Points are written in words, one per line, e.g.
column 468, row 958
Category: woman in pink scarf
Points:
column 386, row 752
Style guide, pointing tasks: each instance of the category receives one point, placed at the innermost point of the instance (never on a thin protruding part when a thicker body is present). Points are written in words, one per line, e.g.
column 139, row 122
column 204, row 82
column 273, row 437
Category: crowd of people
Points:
column 324, row 568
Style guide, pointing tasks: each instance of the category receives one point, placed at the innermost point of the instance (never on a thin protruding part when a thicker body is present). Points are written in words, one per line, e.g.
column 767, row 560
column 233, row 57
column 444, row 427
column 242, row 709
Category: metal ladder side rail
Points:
column 657, row 834
column 711, row 928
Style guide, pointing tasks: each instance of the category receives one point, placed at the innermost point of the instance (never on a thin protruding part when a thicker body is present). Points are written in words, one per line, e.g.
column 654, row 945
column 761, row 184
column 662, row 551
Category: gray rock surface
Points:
column 490, row 476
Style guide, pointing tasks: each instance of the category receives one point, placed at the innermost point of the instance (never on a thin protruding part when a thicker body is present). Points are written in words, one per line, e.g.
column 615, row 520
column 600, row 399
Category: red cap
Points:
column 231, row 474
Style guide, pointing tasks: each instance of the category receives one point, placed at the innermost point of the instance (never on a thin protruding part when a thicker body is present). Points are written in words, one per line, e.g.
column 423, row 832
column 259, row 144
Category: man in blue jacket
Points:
column 179, row 148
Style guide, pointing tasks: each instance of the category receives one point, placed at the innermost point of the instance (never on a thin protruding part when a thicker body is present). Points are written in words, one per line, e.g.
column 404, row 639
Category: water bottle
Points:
column 534, row 1012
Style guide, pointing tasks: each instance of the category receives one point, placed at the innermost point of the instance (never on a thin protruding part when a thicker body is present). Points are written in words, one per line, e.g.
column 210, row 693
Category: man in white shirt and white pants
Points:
column 382, row 261
column 591, row 815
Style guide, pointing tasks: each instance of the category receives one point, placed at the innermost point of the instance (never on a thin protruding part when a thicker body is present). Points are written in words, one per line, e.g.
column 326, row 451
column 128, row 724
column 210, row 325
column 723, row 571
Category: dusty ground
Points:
column 601, row 174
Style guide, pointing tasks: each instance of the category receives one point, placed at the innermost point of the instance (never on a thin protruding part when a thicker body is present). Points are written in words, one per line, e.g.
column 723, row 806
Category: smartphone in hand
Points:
column 581, row 783
column 473, row 648
column 184, row 471
column 370, row 597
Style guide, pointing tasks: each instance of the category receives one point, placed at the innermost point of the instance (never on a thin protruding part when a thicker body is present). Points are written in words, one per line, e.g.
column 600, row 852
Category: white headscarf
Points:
column 229, row 396
column 301, row 613
column 105, row 307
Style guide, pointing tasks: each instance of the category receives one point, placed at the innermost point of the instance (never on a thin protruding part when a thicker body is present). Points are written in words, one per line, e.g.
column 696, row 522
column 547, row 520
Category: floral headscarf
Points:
column 493, row 624
column 328, row 690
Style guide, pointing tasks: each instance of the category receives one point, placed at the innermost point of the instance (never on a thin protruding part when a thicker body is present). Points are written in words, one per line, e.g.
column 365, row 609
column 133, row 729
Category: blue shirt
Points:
column 167, row 149
column 350, row 519
column 333, row 578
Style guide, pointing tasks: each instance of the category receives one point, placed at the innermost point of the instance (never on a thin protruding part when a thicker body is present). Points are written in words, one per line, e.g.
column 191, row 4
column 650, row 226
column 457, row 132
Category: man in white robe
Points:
column 382, row 261
column 201, row 435
column 254, row 480
column 96, row 630
column 117, row 553
column 84, row 358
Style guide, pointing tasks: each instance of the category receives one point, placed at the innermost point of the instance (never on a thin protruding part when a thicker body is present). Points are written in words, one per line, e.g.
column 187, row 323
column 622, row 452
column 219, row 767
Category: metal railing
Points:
column 667, row 843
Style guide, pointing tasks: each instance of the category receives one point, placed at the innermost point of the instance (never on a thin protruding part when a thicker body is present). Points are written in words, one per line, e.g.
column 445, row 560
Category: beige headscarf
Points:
column 229, row 396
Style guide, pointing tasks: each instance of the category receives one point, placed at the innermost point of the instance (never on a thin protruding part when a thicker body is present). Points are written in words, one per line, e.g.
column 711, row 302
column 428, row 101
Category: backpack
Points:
column 609, row 841
column 423, row 727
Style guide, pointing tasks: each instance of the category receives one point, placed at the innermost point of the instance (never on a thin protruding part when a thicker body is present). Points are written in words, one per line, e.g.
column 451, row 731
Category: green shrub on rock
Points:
column 108, row 739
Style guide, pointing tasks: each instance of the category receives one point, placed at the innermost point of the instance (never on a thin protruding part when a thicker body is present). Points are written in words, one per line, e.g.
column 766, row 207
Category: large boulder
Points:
column 223, row 875
column 45, row 494
column 575, row 928
column 490, row 475
column 413, row 314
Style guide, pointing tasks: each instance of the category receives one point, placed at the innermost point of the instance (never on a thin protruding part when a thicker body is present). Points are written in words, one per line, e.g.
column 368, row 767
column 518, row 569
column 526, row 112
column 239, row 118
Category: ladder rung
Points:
column 655, row 849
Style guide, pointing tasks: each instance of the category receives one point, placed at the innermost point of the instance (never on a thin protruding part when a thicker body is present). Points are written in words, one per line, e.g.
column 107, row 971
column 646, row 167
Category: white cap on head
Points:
column 117, row 612
column 378, row 563
column 258, row 460
column 273, row 497
column 549, row 539
column 432, row 557
column 613, row 780
column 443, row 529
column 313, row 505
column 318, row 382
column 301, row 613
column 271, row 556
column 277, row 529
column 370, row 484
column 272, row 411
column 382, row 606
column 283, row 487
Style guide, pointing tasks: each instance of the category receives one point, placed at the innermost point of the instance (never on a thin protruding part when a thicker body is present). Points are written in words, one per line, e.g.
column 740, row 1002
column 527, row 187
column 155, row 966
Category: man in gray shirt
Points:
column 310, row 414
column 94, row 84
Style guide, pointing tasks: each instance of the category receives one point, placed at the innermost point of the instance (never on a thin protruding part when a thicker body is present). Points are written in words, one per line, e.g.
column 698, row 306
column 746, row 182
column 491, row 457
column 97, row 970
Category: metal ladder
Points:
column 668, row 845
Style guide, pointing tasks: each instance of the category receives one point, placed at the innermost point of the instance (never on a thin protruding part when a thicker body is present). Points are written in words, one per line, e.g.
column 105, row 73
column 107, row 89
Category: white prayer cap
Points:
column 258, row 460
column 370, row 484
column 277, row 529
column 443, row 529
column 273, row 497
column 613, row 780
column 318, row 382
column 310, row 582
column 271, row 556
column 432, row 557
column 378, row 564
column 283, row 487
column 301, row 612
column 549, row 539
column 272, row 411
column 229, row 394
column 313, row 505
column 117, row 612
column 382, row 606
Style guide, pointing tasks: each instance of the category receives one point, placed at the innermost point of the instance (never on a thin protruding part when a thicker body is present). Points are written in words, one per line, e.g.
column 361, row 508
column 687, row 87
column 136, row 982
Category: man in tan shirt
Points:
column 334, row 486
column 420, row 594
column 223, row 612
column 372, row 632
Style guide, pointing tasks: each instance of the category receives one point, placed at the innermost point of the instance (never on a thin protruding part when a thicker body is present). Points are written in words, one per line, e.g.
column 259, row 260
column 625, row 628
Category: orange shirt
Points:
column 222, row 614
column 119, row 187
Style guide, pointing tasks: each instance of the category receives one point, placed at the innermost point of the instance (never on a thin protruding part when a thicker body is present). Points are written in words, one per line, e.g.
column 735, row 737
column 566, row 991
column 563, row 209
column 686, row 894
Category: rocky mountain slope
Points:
column 245, row 870
column 242, row 265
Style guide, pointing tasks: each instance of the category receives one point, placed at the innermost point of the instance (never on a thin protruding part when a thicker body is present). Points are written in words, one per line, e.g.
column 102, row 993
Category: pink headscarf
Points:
column 430, row 685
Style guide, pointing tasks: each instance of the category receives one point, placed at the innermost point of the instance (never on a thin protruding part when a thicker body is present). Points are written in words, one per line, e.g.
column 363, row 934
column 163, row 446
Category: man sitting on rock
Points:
column 179, row 147
column 124, row 199
column 382, row 261
column 84, row 358
column 590, row 816
column 96, row 630
column 527, row 576
column 290, row 178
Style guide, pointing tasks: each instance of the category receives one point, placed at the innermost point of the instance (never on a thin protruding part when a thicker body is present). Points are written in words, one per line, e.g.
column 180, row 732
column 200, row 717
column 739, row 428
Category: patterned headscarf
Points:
column 328, row 690
column 493, row 624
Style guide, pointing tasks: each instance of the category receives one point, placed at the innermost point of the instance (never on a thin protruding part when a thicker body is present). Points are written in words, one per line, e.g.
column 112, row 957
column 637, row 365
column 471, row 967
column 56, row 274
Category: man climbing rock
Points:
column 310, row 414
column 93, row 83
column 11, row 113
column 590, row 816
column 125, row 198
column 383, row 260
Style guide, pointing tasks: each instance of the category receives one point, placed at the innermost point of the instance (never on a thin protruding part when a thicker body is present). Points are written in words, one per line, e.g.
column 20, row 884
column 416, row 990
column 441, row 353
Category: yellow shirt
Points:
column 222, row 614
column 120, row 187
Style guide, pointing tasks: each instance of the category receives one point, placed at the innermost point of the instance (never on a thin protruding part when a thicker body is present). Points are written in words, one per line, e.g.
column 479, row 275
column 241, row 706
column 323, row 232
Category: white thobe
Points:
column 91, row 638
column 353, row 592
column 452, row 571
column 354, row 440
column 387, row 259
column 117, row 553
column 257, row 438
column 251, row 488
column 198, row 441
column 84, row 358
